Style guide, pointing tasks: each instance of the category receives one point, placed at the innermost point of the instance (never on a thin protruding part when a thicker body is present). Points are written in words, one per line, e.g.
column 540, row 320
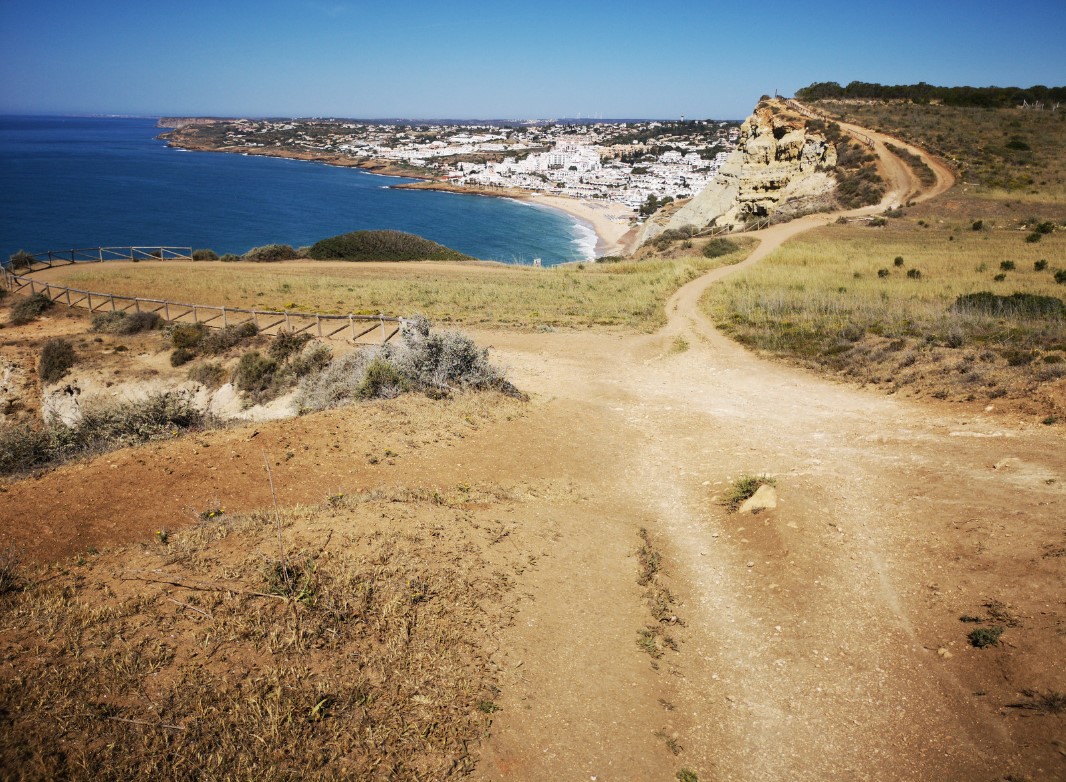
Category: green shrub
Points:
column 914, row 274
column 716, row 248
column 999, row 277
column 181, row 356
column 57, row 357
column 204, row 255
column 382, row 380
column 126, row 323
column 985, row 636
column 1021, row 305
column 229, row 258
column 977, row 225
column 1060, row 276
column 255, row 373
column 220, row 340
column 382, row 246
column 1034, row 237
column 898, row 261
column 187, row 335
column 310, row 361
column 882, row 273
column 29, row 308
column 271, row 252
column 209, row 374
column 286, row 344
column 1007, row 266
column 1040, row 265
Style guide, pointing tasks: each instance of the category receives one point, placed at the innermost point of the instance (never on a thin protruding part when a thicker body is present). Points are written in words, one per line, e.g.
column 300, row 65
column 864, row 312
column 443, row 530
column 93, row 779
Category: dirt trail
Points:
column 811, row 638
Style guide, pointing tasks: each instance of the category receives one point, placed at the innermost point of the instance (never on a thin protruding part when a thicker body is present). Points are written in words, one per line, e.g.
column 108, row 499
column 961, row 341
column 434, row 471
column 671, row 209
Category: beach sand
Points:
column 609, row 219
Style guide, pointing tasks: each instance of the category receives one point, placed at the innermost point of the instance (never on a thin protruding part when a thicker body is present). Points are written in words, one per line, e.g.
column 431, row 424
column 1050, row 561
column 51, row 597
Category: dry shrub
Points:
column 29, row 308
column 57, row 357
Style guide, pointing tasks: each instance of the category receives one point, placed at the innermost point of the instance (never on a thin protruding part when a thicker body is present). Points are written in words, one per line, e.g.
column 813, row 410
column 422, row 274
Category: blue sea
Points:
column 89, row 181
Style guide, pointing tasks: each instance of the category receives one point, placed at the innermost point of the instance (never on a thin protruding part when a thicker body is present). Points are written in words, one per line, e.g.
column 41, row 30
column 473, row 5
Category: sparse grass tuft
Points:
column 744, row 487
column 687, row 775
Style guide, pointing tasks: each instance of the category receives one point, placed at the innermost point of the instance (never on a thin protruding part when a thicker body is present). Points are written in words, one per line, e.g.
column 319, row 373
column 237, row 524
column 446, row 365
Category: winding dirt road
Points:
column 820, row 640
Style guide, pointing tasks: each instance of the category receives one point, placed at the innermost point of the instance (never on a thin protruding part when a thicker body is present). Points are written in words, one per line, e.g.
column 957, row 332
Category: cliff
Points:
column 780, row 167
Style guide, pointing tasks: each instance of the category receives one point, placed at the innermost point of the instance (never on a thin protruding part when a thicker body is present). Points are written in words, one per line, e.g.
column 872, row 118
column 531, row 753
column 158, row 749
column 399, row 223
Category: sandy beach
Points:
column 609, row 219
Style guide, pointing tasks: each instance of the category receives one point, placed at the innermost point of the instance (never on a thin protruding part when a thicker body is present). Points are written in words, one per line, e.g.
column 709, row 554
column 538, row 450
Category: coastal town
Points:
column 634, row 164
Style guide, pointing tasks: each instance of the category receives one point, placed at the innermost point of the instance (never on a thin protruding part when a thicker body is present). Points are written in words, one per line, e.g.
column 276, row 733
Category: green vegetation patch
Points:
column 382, row 246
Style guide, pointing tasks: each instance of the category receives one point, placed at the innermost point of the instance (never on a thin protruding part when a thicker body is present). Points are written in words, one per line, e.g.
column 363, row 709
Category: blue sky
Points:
column 470, row 58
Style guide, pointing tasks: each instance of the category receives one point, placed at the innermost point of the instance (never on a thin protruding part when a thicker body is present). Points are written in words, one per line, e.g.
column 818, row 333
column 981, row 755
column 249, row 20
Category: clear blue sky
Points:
column 500, row 59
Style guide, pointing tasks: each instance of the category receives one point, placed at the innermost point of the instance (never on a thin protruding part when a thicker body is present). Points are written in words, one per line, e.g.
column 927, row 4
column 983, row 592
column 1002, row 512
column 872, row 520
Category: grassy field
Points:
column 838, row 298
column 1016, row 153
column 629, row 294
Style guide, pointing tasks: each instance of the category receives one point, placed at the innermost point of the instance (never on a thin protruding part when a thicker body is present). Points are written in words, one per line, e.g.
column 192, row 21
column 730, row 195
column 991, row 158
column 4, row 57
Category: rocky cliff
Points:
column 780, row 168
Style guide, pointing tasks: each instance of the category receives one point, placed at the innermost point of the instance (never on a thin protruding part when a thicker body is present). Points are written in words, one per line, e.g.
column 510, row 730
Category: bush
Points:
column 977, row 225
column 382, row 246
column 716, row 248
column 985, row 636
column 20, row 260
column 898, row 261
column 433, row 363
column 100, row 429
column 204, row 255
column 1007, row 266
column 1060, row 276
column 126, row 323
column 882, row 273
column 221, row 340
column 255, row 373
column 999, row 277
column 28, row 309
column 271, row 252
column 229, row 258
column 1023, row 305
column 311, row 361
column 1045, row 228
column 187, row 335
column 1034, row 237
column 181, row 356
column 57, row 357
column 1040, row 265
column 209, row 374
column 286, row 344
column 382, row 380
column 914, row 274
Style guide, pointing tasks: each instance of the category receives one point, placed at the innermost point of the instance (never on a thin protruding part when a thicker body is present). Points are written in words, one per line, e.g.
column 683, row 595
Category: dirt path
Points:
column 821, row 640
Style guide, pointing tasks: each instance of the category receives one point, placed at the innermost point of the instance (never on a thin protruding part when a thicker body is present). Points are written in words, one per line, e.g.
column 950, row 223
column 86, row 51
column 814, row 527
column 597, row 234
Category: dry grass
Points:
column 834, row 297
column 377, row 668
column 1015, row 153
column 629, row 294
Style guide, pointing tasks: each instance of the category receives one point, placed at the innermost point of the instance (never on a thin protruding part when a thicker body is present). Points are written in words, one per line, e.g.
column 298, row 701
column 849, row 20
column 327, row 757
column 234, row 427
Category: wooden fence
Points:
column 356, row 329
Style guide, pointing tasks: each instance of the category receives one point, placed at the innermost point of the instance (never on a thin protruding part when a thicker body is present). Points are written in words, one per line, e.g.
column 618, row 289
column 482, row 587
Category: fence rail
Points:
column 354, row 329
column 49, row 258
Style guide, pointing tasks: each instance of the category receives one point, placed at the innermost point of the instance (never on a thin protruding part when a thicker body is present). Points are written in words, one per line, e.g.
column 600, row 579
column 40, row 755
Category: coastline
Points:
column 609, row 221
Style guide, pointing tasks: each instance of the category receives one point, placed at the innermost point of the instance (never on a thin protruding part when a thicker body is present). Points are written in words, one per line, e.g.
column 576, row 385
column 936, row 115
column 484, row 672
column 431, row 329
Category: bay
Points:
column 94, row 181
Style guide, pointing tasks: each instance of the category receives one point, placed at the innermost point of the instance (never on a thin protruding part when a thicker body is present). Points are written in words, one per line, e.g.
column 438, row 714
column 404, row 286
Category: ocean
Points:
column 92, row 181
